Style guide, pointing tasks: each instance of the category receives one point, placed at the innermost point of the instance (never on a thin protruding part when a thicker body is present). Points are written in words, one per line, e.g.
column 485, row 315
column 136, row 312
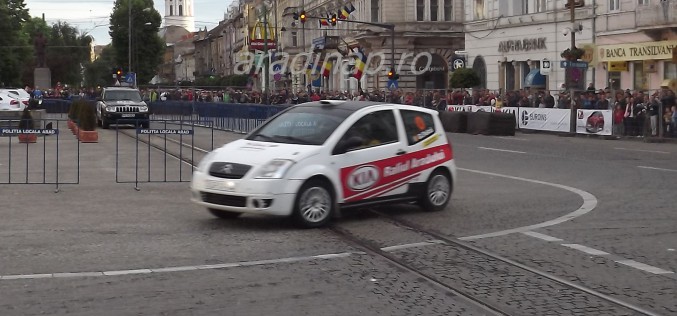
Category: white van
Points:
column 313, row 158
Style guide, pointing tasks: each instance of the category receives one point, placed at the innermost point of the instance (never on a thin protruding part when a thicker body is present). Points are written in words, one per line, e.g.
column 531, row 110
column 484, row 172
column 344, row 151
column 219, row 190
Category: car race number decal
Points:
column 378, row 177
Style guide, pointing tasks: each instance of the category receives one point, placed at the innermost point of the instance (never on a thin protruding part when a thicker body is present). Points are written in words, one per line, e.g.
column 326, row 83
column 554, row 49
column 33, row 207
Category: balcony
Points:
column 657, row 15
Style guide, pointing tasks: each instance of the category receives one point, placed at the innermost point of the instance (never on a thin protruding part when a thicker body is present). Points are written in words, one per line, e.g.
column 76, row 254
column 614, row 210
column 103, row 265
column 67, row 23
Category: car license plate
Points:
column 220, row 185
column 128, row 115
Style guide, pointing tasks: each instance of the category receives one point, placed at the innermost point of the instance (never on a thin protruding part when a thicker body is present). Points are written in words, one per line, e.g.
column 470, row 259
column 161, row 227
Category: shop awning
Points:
column 534, row 79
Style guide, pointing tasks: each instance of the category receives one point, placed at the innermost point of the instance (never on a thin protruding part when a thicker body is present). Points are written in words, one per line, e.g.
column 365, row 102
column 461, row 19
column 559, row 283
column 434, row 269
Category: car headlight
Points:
column 110, row 109
column 203, row 166
column 274, row 169
column 143, row 108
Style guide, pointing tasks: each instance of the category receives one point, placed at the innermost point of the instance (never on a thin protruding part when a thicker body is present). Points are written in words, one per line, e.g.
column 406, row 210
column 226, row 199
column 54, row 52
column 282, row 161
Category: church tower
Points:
column 180, row 13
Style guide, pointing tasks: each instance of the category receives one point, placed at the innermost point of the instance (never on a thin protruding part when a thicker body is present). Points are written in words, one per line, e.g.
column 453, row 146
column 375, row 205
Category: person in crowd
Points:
column 618, row 116
column 653, row 110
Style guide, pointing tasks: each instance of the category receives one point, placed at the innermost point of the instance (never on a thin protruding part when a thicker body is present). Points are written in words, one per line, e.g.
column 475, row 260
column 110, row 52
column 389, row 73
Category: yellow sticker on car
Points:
column 430, row 140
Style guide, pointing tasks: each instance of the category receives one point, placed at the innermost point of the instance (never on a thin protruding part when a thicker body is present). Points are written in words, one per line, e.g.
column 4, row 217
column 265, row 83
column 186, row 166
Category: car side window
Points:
column 417, row 125
column 374, row 129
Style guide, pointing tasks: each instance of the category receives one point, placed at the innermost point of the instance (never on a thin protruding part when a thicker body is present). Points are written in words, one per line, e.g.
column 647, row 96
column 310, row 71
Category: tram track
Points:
column 503, row 272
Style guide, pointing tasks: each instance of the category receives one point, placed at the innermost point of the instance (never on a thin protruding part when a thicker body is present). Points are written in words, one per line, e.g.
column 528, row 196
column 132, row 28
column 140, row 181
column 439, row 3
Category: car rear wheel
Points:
column 224, row 214
column 437, row 192
column 314, row 204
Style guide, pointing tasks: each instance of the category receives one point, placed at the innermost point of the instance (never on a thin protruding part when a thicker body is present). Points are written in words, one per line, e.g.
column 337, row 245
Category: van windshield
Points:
column 299, row 125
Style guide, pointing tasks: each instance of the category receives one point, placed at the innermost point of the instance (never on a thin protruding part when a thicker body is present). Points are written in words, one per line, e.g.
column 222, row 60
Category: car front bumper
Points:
column 253, row 196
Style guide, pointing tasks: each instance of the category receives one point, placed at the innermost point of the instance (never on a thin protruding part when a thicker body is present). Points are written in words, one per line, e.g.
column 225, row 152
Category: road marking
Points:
column 327, row 256
column 412, row 245
column 644, row 151
column 541, row 236
column 513, row 138
column 503, row 150
column 589, row 204
column 643, row 267
column 586, row 249
column 654, row 168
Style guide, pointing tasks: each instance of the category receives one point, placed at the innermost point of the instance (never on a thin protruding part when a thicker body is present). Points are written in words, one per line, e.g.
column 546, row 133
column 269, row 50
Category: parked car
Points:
column 18, row 94
column 313, row 158
column 9, row 102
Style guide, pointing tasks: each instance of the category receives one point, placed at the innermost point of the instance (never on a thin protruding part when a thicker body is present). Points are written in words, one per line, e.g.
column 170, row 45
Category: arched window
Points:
column 180, row 10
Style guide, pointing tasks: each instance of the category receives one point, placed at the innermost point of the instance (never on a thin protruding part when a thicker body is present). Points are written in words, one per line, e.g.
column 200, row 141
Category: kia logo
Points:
column 363, row 178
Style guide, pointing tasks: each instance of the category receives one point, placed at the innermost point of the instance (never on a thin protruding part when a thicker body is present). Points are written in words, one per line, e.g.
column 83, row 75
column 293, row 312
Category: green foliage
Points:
column 464, row 78
column 572, row 54
column 86, row 116
column 74, row 110
column 14, row 45
column 147, row 46
column 99, row 73
column 26, row 121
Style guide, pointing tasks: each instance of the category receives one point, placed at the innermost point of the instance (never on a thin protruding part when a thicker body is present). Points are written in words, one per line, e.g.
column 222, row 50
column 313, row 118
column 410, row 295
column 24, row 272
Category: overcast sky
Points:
column 92, row 15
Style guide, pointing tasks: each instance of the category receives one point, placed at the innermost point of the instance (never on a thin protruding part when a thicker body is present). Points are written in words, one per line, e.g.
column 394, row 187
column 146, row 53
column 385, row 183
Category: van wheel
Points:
column 224, row 214
column 314, row 204
column 437, row 192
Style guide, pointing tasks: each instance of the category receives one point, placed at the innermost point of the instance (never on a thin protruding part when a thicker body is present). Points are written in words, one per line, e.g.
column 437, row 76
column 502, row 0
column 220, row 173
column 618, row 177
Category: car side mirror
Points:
column 344, row 146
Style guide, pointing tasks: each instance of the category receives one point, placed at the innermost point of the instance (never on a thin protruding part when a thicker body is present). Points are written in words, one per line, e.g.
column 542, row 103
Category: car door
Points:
column 426, row 145
column 368, row 167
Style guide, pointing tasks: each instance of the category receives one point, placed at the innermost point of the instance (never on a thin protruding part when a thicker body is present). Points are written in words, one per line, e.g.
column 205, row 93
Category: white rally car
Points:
column 313, row 158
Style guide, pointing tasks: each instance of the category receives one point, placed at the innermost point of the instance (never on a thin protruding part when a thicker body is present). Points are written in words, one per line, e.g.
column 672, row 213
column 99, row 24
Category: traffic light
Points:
column 302, row 17
column 392, row 75
column 333, row 20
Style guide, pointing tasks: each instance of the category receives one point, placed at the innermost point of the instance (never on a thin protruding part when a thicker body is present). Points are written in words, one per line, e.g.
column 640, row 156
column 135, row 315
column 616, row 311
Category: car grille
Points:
column 228, row 170
column 133, row 109
column 223, row 199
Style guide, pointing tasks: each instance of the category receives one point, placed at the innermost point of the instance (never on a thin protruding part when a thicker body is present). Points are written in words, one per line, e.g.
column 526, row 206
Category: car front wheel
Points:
column 314, row 204
column 437, row 192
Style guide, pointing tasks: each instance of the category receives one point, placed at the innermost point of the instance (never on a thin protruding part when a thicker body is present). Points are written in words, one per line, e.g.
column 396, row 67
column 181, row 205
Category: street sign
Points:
column 573, row 64
column 546, row 66
column 392, row 85
column 130, row 77
column 458, row 63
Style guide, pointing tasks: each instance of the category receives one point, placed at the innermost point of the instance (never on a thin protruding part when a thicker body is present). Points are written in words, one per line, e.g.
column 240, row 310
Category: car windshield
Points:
column 122, row 95
column 299, row 125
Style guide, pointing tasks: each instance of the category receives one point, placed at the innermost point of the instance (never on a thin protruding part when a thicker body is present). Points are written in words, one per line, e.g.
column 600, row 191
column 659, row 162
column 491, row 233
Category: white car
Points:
column 19, row 94
column 313, row 158
column 8, row 102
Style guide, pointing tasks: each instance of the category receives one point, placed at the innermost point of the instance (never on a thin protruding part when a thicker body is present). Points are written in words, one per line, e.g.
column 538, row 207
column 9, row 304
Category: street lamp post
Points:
column 129, row 36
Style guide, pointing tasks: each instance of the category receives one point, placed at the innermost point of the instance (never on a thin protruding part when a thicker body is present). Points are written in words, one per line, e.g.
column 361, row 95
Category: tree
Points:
column 147, row 46
column 67, row 51
column 464, row 78
column 14, row 46
column 99, row 73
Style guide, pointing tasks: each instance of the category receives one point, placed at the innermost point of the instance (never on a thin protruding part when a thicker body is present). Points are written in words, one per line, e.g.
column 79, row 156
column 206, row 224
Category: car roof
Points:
column 354, row 106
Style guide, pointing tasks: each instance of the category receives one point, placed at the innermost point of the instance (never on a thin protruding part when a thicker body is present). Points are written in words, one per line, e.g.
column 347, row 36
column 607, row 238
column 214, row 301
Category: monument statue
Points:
column 40, row 43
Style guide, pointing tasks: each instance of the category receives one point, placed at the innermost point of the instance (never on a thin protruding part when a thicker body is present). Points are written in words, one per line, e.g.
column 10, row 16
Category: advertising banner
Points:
column 553, row 120
column 596, row 122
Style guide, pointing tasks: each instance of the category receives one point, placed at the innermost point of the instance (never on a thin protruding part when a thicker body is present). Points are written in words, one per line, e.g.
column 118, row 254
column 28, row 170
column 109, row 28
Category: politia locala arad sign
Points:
column 527, row 44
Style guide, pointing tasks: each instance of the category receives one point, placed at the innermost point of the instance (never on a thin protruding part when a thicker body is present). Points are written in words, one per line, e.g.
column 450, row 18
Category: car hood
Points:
column 124, row 103
column 258, row 153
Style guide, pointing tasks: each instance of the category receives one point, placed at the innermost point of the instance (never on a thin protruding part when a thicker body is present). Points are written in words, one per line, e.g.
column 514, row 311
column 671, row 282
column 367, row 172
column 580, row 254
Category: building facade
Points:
column 507, row 41
column 634, row 44
column 430, row 26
